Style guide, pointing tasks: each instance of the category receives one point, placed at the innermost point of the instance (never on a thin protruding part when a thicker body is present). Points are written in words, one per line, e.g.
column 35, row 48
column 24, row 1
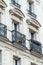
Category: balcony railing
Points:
column 32, row 14
column 35, row 46
column 3, row 30
column 18, row 38
column 16, row 4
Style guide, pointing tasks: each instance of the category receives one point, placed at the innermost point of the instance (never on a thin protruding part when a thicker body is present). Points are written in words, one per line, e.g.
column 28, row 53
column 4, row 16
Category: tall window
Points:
column 0, row 57
column 31, row 6
column 32, row 35
column 16, row 61
column 15, row 27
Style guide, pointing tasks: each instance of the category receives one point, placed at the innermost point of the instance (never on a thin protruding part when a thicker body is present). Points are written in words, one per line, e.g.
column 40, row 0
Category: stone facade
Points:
column 19, row 27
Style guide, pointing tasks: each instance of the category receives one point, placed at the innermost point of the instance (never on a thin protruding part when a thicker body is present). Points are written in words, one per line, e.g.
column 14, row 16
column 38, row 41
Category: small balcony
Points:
column 3, row 30
column 18, row 38
column 15, row 4
column 32, row 14
column 36, row 47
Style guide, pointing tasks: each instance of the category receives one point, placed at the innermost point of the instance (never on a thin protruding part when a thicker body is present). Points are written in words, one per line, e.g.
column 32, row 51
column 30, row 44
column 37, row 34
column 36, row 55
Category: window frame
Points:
column 16, row 60
column 31, row 6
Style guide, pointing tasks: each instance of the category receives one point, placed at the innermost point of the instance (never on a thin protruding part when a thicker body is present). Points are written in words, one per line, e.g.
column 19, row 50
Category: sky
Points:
column 41, row 21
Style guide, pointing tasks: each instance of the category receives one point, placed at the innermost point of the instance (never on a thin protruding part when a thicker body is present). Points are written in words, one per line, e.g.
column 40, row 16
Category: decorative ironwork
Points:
column 34, row 46
column 31, row 13
column 18, row 38
column 3, row 30
column 15, row 3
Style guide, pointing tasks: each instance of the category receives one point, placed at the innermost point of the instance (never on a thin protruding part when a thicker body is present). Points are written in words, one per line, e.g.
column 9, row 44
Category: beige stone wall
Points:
column 8, row 50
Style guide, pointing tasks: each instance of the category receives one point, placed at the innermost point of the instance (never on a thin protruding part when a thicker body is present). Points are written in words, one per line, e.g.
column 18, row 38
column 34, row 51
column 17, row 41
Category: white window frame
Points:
column 18, row 60
column 18, row 25
column 34, row 34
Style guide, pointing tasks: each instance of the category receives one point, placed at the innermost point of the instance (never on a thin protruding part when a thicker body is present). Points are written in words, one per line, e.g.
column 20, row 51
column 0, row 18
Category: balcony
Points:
column 18, row 38
column 3, row 30
column 36, row 47
column 15, row 4
column 32, row 14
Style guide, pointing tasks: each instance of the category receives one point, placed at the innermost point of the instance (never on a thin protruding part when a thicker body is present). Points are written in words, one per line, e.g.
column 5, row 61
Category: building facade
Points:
column 19, row 33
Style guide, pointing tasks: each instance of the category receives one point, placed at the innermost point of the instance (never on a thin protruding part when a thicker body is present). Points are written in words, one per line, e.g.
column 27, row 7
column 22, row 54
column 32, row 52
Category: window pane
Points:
column 13, row 62
column 15, row 27
column 31, row 6
column 32, row 35
column 16, row 61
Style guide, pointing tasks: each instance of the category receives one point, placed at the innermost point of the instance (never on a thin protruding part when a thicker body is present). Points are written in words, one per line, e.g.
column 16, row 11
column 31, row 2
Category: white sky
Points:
column 41, row 21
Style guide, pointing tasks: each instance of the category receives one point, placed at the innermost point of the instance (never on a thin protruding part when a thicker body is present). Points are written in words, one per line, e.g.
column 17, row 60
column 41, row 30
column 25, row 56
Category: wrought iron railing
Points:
column 3, row 30
column 35, row 47
column 32, row 14
column 15, row 3
column 18, row 38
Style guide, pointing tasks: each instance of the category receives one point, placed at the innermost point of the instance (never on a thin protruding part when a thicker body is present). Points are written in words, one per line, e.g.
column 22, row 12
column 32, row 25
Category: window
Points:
column 31, row 6
column 15, row 27
column 16, row 61
column 0, row 57
column 32, row 35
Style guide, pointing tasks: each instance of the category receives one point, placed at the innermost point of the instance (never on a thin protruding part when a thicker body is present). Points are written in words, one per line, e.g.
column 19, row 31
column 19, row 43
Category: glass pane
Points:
column 32, row 35
column 13, row 62
column 15, row 27
column 31, row 7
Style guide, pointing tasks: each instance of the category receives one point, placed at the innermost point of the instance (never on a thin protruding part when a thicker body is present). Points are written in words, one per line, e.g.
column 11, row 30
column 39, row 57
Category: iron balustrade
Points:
column 32, row 14
column 15, row 3
column 3, row 30
column 35, row 47
column 18, row 38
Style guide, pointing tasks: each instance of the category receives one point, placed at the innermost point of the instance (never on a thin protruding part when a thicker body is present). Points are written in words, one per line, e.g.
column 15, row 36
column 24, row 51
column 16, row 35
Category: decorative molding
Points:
column 33, row 22
column 2, row 4
column 17, row 12
column 38, row 1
